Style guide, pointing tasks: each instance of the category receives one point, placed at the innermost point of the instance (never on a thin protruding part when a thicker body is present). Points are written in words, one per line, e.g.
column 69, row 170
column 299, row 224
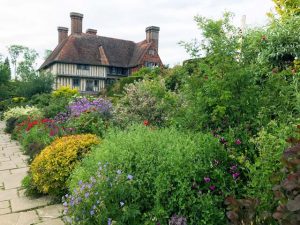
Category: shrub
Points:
column 146, row 176
column 270, row 144
column 88, row 122
column 64, row 92
column 288, row 191
column 52, row 167
column 23, row 111
column 99, row 105
column 10, row 124
column 146, row 100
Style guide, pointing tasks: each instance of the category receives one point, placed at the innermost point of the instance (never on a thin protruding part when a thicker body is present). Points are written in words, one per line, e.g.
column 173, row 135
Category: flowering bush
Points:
column 81, row 105
column 35, row 135
column 64, row 92
column 287, row 192
column 52, row 167
column 23, row 111
column 147, row 99
column 152, row 176
column 88, row 122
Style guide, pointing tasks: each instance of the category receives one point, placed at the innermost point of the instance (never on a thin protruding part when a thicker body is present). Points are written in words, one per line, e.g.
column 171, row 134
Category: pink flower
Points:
column 236, row 175
column 206, row 179
column 146, row 122
column 212, row 187
column 238, row 141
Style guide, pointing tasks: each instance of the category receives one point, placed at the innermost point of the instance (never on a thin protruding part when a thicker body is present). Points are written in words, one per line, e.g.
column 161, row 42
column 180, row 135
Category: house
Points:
column 89, row 62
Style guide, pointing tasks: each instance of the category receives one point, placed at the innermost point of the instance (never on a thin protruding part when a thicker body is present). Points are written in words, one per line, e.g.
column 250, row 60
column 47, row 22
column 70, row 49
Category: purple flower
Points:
column 122, row 203
column 212, row 187
column 92, row 212
column 233, row 168
column 98, row 202
column 130, row 177
column 86, row 195
column 109, row 221
column 119, row 172
column 206, row 179
column 65, row 204
column 238, row 141
column 236, row 175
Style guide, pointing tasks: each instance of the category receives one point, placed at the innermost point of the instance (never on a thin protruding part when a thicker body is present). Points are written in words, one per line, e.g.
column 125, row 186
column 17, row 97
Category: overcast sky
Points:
column 33, row 23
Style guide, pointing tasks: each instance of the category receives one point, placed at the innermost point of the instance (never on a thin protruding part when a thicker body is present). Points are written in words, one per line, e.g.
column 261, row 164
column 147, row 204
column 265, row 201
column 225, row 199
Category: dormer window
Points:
column 83, row 67
column 151, row 52
column 151, row 64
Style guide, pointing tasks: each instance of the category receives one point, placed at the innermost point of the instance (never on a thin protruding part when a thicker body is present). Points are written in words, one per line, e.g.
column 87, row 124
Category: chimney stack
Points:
column 152, row 34
column 76, row 23
column 62, row 33
column 91, row 31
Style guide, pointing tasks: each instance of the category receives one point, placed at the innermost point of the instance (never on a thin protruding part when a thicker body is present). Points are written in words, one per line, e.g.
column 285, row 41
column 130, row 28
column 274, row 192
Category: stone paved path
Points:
column 15, row 208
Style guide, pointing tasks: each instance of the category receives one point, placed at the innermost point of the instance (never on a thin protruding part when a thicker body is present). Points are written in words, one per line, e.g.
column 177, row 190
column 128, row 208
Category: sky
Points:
column 33, row 23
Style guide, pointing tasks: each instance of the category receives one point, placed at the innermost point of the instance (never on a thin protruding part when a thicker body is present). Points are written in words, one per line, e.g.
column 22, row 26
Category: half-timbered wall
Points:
column 68, row 81
column 72, row 70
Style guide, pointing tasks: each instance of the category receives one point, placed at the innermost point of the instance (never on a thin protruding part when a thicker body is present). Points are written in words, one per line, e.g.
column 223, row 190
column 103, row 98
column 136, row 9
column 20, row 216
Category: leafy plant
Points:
column 288, row 191
column 144, row 176
column 52, row 167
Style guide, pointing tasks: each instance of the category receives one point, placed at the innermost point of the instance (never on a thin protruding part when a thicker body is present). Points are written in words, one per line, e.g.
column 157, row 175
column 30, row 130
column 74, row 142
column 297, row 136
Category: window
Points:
column 83, row 67
column 76, row 82
column 118, row 71
column 96, row 83
column 151, row 64
column 151, row 52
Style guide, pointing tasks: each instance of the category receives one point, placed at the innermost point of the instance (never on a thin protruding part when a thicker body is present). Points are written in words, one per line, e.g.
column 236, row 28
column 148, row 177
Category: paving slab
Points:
column 4, row 204
column 8, row 194
column 15, row 207
column 25, row 203
column 13, row 180
column 5, row 211
column 22, row 218
column 23, row 170
column 52, row 222
column 50, row 212
column 8, row 165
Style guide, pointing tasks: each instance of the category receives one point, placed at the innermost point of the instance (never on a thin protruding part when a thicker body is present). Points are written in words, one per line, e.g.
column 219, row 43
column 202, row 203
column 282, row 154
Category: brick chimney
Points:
column 91, row 31
column 76, row 23
column 152, row 34
column 62, row 33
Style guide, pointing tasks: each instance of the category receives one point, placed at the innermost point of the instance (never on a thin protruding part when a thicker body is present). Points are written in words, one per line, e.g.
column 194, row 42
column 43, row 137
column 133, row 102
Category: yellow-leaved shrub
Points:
column 53, row 166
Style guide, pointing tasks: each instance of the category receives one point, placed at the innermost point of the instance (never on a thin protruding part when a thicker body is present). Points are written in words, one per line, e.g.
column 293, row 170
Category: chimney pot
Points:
column 76, row 22
column 152, row 35
column 62, row 33
column 91, row 31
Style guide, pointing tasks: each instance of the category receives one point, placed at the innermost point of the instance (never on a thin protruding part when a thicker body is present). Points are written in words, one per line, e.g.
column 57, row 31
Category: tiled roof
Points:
column 97, row 50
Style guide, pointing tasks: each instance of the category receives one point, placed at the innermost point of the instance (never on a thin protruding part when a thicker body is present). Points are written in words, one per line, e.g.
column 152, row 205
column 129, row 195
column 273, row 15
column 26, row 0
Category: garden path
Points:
column 15, row 208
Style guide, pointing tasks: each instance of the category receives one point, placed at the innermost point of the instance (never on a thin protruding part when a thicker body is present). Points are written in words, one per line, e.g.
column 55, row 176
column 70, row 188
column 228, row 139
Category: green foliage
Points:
column 173, row 173
column 23, row 111
column 52, row 167
column 270, row 144
column 287, row 8
column 4, row 79
column 57, row 102
column 37, row 84
column 146, row 100
column 288, row 191
column 35, row 140
column 10, row 124
column 118, row 87
column 88, row 122
column 64, row 92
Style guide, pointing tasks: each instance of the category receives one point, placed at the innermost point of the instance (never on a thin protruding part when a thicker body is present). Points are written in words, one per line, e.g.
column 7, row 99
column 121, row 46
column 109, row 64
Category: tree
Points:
column 4, row 72
column 287, row 8
column 25, row 68
column 14, row 52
